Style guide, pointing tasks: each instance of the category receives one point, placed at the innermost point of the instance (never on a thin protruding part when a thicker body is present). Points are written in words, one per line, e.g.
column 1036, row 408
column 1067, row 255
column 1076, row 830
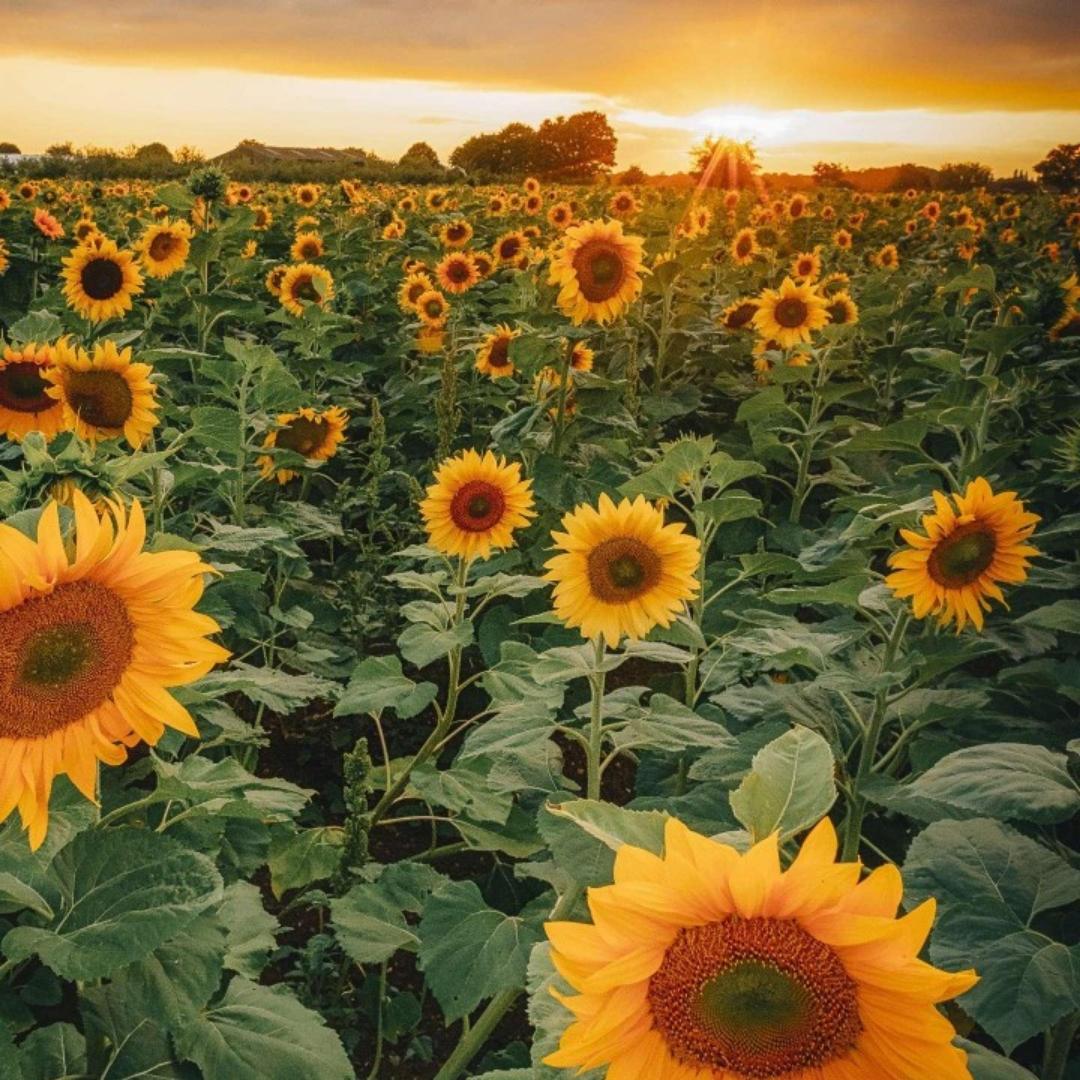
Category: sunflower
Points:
column 796, row 207
column 27, row 191
column 433, row 309
column 533, row 205
column 953, row 571
column 581, row 356
column 412, row 288
column 164, row 248
column 457, row 272
column 101, row 280
column 4, row 262
column 493, row 356
column 806, row 266
column 455, row 234
column 740, row 314
column 744, row 247
column 430, row 340
column 496, row 205
column 841, row 309
column 708, row 964
column 307, row 194
column 305, row 284
column 274, row 278
column 263, row 218
column 315, row 435
column 394, row 229
column 104, row 394
column 475, row 505
column 623, row 204
column 560, row 215
column 93, row 632
column 510, row 247
column 25, row 402
column 887, row 258
column 84, row 230
column 307, row 246
column 596, row 269
column 483, row 262
column 621, row 570
column 790, row 313
column 1067, row 326
column 531, row 185
column 5, row 200
column 47, row 225
column 435, row 199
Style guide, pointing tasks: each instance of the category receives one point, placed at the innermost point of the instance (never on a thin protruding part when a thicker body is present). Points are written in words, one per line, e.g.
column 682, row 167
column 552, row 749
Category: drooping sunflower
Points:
column 104, row 394
column 92, row 632
column 581, row 356
column 493, row 356
column 790, row 313
column 315, row 435
column 744, row 247
column 305, row 284
column 841, row 309
column 708, row 964
column 264, row 218
column 455, row 234
column 621, row 571
column 100, row 280
column 457, row 272
column 968, row 546
column 475, row 505
column 25, row 402
column 307, row 246
column 739, row 315
column 412, row 288
column 597, row 270
column 164, row 248
column 433, row 309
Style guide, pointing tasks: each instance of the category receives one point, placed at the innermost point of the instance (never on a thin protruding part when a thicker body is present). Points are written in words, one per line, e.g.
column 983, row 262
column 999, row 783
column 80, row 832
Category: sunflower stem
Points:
column 594, row 768
column 1059, row 1040
column 560, row 413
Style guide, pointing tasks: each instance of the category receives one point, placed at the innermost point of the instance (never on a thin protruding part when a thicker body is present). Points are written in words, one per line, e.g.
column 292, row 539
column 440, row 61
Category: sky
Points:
column 855, row 81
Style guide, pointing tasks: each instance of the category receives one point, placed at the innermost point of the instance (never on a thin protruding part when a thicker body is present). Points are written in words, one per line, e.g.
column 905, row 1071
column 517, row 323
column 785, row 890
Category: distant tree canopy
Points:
column 64, row 149
column 420, row 153
column 9, row 148
column 1060, row 169
column 566, row 148
column 153, row 153
column 964, row 176
column 724, row 163
column 633, row 176
column 914, row 177
column 831, row 174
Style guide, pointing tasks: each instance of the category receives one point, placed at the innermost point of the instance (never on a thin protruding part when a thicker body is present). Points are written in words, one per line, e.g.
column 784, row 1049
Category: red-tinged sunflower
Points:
column 314, row 435
column 433, row 309
column 100, row 280
column 493, row 356
column 93, row 632
column 304, row 285
column 790, row 314
column 597, row 269
column 241, row 193
column 888, row 258
column 621, row 571
column 624, row 205
column 25, row 402
column 707, row 964
column 510, row 247
column 475, row 505
column 164, row 248
column 47, row 225
column 806, row 266
column 841, row 309
column 307, row 246
column 739, row 315
column 456, row 273
column 104, row 393
column 561, row 215
column 969, row 546
column 455, row 234
column 744, row 247
column 412, row 288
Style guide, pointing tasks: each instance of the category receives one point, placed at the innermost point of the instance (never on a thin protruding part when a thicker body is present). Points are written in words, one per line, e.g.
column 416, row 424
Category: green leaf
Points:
column 122, row 893
column 790, row 786
column 309, row 855
column 377, row 683
column 277, row 690
column 677, row 462
column 734, row 506
column 469, row 951
column 1062, row 615
column 197, row 780
column 16, row 894
column 251, row 929
column 846, row 592
column 986, row 1065
column 370, row 924
column 217, row 428
column 421, row 645
column 37, row 326
column 56, row 1052
column 903, row 435
column 265, row 1032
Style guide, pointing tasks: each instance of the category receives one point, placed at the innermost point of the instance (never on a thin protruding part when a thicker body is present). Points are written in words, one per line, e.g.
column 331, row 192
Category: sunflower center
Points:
column 100, row 398
column 790, row 312
column 302, row 436
column 622, row 569
column 499, row 354
column 743, row 246
column 741, row 315
column 838, row 312
column 433, row 308
column 600, row 271
column 477, row 506
column 458, row 271
column 304, row 289
column 61, row 656
column 508, row 249
column 101, row 279
column 162, row 246
column 309, row 249
column 961, row 558
column 759, row 997
column 22, row 389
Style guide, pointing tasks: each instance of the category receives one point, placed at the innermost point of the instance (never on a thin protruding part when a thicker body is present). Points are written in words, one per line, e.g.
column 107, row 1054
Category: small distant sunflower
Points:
column 597, row 271
column 305, row 284
column 455, row 234
column 496, row 205
column 510, row 247
column 433, row 309
column 740, row 314
column 842, row 309
column 412, row 288
column 493, row 356
column 4, row 262
column 47, row 225
column 25, row 402
column 531, row 185
column 483, row 262
column 888, row 258
column 796, row 207
column 970, row 545
column 456, row 272
column 561, row 215
column 533, row 204
column 100, row 280
column 744, row 247
column 307, row 246
column 307, row 194
column 623, row 204
column 5, row 200
column 581, row 357
column 790, row 313
column 621, row 571
column 264, row 218
column 1067, row 326
column 27, row 191
column 806, row 266
column 164, row 248
column 85, row 229
column 475, row 505
column 435, row 199
column 315, row 435
column 105, row 395
column 274, row 278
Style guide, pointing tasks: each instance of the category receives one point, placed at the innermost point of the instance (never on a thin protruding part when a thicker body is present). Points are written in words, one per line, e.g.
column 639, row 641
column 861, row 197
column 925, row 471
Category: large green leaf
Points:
column 56, row 1052
column 298, row 859
column 121, row 893
column 378, row 683
column 251, row 929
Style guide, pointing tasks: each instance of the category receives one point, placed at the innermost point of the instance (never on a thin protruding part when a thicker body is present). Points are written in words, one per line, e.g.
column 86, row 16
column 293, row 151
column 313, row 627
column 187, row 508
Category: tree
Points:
column 724, row 163
column 154, row 153
column 1060, row 169
column 914, row 177
column 510, row 152
column 189, row 155
column 964, row 176
column 831, row 174
column 635, row 176
column 9, row 148
column 420, row 154
column 64, row 149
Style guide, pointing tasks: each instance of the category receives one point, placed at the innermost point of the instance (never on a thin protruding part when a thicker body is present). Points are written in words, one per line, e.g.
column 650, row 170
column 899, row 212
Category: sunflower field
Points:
column 531, row 632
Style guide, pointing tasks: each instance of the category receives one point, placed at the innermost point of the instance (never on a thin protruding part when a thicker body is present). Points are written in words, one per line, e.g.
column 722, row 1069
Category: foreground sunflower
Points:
column 457, row 273
column 621, row 570
column 92, row 632
column 790, row 313
column 475, row 505
column 100, row 280
column 597, row 271
column 708, row 964
column 952, row 570
column 315, row 435
column 493, row 356
column 25, row 402
column 305, row 284
column 104, row 394
column 164, row 248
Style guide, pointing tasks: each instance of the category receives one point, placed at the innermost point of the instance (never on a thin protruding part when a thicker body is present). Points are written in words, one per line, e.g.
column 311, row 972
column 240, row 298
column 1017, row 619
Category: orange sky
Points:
column 849, row 80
